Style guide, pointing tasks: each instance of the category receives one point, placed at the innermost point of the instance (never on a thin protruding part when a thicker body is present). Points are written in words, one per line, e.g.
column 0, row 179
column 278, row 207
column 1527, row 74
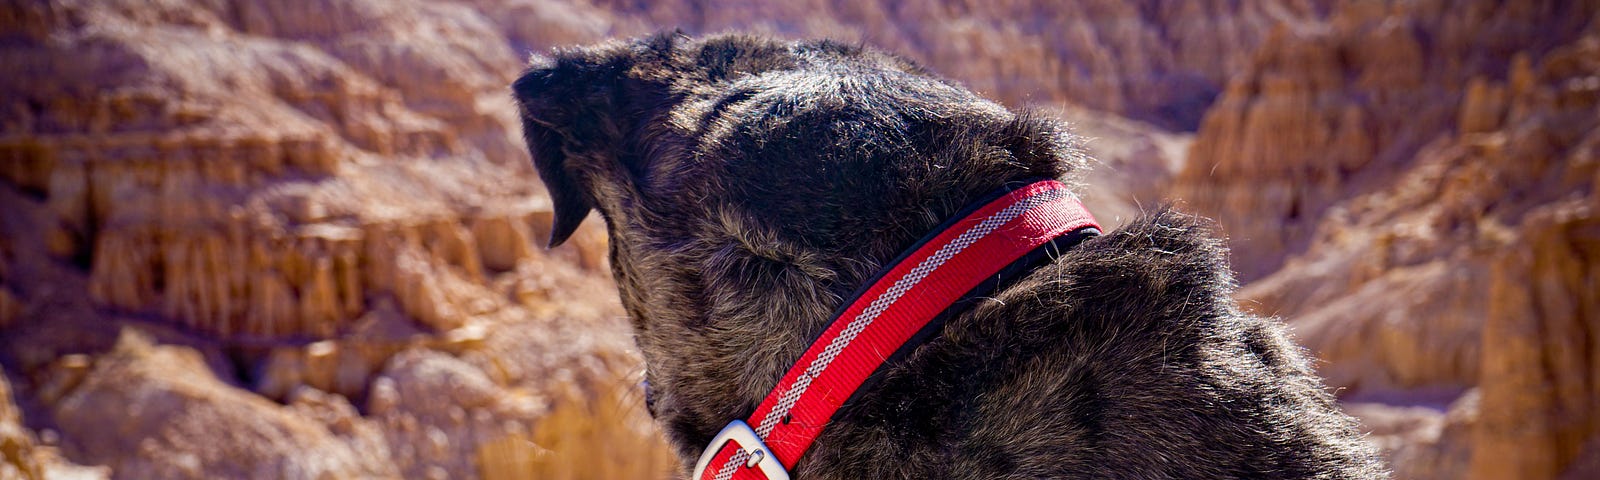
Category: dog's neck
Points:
column 991, row 243
column 751, row 306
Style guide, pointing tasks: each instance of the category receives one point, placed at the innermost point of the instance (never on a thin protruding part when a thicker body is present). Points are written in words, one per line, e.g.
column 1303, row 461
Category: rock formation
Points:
column 1156, row 61
column 22, row 457
column 1331, row 109
column 1540, row 381
column 167, row 407
column 1465, row 264
column 17, row 456
column 283, row 197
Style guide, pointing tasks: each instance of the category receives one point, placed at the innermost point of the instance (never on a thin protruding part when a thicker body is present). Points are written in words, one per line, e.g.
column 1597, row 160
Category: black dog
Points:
column 750, row 185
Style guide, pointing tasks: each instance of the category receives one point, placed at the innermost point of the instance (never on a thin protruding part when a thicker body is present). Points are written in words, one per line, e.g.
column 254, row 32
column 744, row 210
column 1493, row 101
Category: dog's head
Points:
column 749, row 184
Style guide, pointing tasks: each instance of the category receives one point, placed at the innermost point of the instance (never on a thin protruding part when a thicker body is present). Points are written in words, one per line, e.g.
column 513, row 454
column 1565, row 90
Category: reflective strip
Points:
column 860, row 323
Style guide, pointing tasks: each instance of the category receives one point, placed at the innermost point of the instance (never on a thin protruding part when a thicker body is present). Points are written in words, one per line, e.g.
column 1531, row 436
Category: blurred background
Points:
column 298, row 239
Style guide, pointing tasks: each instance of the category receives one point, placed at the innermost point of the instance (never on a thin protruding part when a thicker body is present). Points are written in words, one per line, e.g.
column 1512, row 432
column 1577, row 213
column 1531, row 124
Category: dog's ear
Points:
column 574, row 117
column 566, row 106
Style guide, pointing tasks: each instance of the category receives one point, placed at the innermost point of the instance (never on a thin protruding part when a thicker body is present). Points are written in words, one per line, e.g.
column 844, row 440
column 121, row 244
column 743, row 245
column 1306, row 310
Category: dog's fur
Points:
column 749, row 185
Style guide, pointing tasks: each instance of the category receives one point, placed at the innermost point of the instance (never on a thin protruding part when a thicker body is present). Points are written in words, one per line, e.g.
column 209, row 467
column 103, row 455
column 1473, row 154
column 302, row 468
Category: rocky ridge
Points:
column 273, row 205
column 1154, row 61
column 1333, row 108
column 1415, row 196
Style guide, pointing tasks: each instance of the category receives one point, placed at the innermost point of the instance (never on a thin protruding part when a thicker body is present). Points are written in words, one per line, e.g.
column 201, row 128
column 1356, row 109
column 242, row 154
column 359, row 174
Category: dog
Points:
column 750, row 185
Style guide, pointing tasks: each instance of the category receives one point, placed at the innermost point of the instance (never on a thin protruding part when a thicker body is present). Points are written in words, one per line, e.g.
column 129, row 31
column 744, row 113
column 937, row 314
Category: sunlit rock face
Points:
column 270, row 202
column 1412, row 189
column 183, row 422
column 1155, row 61
column 1338, row 107
column 316, row 219
column 21, row 454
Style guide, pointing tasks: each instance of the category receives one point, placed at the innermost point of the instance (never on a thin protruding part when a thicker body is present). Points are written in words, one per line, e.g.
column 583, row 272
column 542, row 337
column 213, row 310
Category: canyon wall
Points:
column 1157, row 61
column 1335, row 108
column 1412, row 188
column 298, row 240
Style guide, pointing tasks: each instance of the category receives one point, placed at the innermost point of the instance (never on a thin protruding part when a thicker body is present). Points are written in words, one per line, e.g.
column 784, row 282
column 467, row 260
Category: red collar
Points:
column 958, row 259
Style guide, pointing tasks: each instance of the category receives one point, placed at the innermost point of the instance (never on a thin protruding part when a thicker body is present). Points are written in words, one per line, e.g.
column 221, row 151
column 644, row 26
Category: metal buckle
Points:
column 738, row 431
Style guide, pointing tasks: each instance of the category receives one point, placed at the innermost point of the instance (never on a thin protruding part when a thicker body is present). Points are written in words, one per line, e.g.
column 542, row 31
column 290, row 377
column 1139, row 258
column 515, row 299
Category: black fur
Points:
column 748, row 185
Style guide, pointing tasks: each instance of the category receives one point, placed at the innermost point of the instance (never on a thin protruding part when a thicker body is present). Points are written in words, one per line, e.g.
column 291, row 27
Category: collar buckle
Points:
column 744, row 439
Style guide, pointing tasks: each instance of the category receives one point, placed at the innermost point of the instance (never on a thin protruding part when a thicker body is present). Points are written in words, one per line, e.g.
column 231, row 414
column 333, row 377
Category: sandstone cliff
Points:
column 178, row 407
column 23, row 457
column 283, row 197
column 1456, row 256
column 1540, row 384
column 1332, row 109
column 1156, row 61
